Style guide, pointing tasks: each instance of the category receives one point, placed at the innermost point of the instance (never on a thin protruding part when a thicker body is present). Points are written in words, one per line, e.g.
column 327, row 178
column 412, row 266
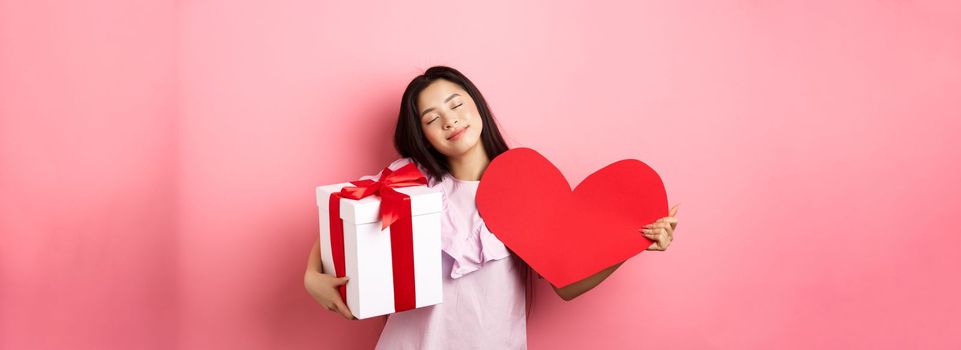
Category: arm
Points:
column 575, row 289
column 313, row 260
column 661, row 240
column 323, row 287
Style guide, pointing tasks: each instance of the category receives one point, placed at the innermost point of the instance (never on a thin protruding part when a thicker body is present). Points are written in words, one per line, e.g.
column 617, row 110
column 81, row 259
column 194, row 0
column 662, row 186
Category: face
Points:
column 449, row 118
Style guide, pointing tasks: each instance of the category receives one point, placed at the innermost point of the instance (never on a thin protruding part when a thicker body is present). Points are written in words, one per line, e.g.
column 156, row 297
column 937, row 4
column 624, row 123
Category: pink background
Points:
column 158, row 159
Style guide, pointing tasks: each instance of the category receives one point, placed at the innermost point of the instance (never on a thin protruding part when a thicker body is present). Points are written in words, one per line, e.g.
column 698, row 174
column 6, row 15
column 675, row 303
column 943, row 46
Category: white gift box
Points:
column 367, row 248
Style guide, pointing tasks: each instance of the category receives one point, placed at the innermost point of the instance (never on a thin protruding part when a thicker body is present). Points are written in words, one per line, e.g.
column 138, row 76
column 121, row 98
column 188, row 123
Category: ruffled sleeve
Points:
column 470, row 249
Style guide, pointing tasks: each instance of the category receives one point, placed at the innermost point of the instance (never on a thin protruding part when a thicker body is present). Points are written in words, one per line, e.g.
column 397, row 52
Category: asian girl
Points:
column 447, row 129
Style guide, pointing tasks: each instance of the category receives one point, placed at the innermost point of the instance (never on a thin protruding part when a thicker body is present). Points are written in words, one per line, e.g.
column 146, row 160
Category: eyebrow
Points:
column 445, row 101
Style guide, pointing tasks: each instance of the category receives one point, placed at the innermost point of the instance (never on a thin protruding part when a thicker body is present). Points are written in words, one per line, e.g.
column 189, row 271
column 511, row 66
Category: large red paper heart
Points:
column 569, row 235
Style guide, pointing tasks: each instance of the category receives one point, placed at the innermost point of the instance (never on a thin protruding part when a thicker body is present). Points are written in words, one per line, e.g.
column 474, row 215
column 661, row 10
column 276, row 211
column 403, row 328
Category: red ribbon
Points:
column 390, row 205
column 395, row 212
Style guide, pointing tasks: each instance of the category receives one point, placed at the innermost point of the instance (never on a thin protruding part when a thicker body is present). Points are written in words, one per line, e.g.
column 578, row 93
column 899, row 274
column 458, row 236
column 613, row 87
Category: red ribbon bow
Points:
column 391, row 206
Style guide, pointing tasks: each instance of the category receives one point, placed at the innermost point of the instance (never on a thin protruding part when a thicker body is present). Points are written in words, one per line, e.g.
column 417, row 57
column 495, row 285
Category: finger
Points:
column 339, row 281
column 668, row 219
column 653, row 246
column 661, row 238
column 343, row 310
column 651, row 236
column 657, row 225
column 654, row 231
column 674, row 210
column 667, row 238
column 658, row 238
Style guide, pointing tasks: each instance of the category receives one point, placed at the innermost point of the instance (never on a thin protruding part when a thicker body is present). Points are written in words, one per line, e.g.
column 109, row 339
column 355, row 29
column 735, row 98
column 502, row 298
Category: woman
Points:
column 447, row 129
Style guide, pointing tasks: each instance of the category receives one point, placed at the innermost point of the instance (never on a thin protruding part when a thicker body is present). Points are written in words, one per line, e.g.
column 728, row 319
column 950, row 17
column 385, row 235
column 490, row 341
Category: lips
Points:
column 458, row 132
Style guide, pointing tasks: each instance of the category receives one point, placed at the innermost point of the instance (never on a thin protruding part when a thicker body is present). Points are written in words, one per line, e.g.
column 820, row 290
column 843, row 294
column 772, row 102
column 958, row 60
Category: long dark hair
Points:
column 409, row 139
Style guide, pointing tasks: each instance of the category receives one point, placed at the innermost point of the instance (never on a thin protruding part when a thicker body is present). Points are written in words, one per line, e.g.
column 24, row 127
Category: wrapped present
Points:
column 385, row 237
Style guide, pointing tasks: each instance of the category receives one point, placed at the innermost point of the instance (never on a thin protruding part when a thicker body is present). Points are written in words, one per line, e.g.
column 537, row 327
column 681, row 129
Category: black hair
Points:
column 409, row 139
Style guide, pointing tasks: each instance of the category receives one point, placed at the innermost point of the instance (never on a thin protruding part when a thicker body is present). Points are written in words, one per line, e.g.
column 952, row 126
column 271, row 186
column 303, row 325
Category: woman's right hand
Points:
column 323, row 288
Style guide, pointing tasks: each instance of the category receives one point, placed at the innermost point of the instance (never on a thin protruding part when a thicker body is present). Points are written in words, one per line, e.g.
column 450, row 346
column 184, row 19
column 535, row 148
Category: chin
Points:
column 459, row 151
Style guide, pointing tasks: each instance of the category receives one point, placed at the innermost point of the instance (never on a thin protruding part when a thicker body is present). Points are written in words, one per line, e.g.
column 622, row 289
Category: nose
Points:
column 450, row 124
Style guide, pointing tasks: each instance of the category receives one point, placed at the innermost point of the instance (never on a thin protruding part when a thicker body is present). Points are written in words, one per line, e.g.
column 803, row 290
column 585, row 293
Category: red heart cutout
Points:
column 569, row 235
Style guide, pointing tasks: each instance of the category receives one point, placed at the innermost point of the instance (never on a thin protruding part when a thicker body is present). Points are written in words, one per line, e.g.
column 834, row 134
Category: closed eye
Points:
column 435, row 118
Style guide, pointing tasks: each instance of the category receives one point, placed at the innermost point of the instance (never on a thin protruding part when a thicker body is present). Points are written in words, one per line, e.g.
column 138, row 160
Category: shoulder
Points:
column 431, row 181
column 402, row 161
column 394, row 165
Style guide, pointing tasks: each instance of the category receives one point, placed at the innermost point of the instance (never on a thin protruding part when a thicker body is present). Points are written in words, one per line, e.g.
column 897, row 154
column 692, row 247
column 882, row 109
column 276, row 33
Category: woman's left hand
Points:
column 661, row 231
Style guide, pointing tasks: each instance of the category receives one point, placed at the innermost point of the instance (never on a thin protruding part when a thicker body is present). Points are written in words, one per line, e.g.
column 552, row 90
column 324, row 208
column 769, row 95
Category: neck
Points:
column 470, row 165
